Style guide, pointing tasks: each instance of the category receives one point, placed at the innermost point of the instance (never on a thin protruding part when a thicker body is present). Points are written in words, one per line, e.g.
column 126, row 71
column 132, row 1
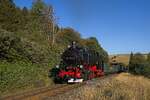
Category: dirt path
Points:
column 41, row 93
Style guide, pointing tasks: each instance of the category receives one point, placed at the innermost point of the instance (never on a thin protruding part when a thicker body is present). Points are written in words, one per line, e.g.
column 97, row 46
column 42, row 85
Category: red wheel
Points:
column 91, row 75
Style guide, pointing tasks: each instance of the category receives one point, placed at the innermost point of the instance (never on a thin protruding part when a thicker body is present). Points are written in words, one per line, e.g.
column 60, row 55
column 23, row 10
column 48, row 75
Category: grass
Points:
column 20, row 76
column 122, row 87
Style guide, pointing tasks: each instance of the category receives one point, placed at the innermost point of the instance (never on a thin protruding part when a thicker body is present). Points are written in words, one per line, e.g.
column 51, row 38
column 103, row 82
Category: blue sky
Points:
column 121, row 26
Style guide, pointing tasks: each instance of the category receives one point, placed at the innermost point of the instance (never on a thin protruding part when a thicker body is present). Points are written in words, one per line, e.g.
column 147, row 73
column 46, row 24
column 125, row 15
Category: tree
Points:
column 24, row 11
column 66, row 35
column 45, row 16
column 148, row 58
column 25, row 20
column 10, row 45
column 56, row 29
column 138, row 57
column 130, row 62
column 93, row 44
column 35, row 23
column 38, row 6
column 9, row 15
column 137, row 64
column 147, row 68
column 49, row 23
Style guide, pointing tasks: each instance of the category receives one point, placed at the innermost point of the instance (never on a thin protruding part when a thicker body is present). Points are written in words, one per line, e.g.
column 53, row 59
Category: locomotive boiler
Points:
column 77, row 65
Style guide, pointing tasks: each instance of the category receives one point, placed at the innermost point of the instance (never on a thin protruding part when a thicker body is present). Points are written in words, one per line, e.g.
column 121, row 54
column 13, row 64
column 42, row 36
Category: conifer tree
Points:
column 148, row 58
column 9, row 15
column 130, row 62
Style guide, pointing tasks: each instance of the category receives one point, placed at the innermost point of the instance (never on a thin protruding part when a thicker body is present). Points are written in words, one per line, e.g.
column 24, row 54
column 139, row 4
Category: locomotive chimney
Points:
column 73, row 44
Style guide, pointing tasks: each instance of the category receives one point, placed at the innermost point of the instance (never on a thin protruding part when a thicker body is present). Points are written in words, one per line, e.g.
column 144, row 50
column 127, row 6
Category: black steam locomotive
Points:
column 78, row 64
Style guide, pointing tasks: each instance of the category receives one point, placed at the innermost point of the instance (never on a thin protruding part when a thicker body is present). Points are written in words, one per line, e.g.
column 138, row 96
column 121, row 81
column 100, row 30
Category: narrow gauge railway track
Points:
column 40, row 93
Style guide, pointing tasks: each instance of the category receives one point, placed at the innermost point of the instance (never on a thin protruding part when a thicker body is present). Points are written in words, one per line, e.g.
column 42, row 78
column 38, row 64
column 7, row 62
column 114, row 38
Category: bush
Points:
column 13, row 48
column 147, row 71
column 19, row 75
column 139, row 65
column 10, row 46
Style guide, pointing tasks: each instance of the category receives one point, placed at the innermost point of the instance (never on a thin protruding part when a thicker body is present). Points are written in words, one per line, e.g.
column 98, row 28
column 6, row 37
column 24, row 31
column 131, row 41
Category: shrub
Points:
column 18, row 75
column 10, row 46
column 14, row 48
column 139, row 65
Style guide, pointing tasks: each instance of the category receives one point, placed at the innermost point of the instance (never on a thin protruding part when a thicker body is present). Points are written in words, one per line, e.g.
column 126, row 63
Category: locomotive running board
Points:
column 75, row 80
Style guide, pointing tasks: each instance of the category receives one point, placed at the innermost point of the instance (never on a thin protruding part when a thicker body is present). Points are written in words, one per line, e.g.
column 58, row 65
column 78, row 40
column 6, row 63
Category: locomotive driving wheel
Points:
column 91, row 75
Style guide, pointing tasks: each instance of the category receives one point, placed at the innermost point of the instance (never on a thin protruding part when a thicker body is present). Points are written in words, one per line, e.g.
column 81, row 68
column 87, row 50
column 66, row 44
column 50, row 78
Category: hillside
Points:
column 31, row 43
column 122, row 58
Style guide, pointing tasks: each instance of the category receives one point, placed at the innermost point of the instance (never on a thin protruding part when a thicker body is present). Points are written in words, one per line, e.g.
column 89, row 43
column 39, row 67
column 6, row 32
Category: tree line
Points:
column 139, row 64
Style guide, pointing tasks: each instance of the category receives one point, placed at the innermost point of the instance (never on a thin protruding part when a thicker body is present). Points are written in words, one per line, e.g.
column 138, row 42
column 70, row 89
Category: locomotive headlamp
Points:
column 81, row 66
column 57, row 66
column 69, row 46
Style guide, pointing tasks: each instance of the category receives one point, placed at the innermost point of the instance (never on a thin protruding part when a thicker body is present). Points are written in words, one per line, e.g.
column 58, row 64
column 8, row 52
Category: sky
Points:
column 121, row 26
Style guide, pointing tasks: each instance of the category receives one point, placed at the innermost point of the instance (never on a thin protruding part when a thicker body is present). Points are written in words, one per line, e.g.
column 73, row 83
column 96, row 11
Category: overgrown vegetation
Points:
column 139, row 64
column 20, row 75
column 31, row 43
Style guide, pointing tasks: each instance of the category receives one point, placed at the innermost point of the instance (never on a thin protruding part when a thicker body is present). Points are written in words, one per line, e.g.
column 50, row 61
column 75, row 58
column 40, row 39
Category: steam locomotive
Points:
column 78, row 64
